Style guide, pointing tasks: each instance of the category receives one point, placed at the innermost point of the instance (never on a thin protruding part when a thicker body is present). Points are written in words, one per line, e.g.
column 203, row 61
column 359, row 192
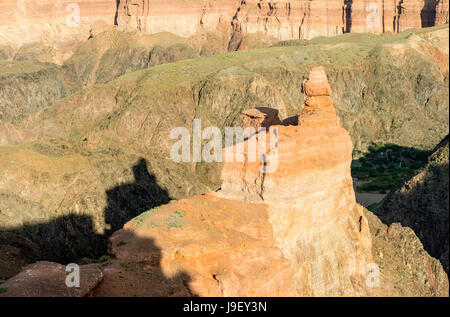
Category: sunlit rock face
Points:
column 47, row 21
column 286, row 228
column 56, row 21
column 316, row 222
column 285, row 19
column 213, row 246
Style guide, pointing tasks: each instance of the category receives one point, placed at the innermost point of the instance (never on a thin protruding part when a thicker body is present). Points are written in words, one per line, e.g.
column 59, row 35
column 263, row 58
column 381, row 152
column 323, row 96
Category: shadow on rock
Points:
column 72, row 237
column 428, row 13
column 130, row 200
column 111, row 277
column 421, row 202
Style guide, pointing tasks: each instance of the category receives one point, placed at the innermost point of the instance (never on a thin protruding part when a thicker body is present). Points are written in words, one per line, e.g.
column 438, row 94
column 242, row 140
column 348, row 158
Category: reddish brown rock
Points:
column 442, row 12
column 47, row 279
column 317, row 83
column 203, row 246
column 295, row 231
column 323, row 102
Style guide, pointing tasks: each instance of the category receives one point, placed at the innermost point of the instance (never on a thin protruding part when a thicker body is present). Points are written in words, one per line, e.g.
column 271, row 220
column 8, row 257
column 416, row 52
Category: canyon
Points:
column 95, row 139
column 294, row 232
column 421, row 203
column 225, row 25
column 86, row 111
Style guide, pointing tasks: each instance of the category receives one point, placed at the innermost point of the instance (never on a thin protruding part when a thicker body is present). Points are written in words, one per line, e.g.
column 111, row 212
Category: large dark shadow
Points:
column 127, row 201
column 65, row 239
column 428, row 13
column 76, row 238
column 421, row 202
column 72, row 238
column 425, row 209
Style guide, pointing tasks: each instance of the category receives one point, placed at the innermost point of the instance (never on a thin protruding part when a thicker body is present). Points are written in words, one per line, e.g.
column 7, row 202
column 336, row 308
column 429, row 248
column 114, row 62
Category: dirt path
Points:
column 366, row 199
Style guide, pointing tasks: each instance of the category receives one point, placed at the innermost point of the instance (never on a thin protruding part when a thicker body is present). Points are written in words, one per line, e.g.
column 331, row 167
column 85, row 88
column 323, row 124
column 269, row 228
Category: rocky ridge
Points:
column 421, row 203
column 232, row 24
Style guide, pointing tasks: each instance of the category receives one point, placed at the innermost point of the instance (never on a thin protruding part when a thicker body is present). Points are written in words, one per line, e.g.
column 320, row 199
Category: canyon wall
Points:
column 421, row 203
column 102, row 137
column 52, row 22
column 56, row 21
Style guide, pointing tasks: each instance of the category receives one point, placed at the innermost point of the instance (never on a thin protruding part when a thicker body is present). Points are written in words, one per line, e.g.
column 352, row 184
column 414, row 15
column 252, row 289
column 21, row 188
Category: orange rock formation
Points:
column 216, row 247
column 311, row 204
column 296, row 231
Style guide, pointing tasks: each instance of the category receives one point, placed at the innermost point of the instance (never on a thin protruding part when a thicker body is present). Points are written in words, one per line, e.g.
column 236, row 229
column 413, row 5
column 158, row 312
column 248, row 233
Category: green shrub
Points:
column 103, row 259
column 386, row 165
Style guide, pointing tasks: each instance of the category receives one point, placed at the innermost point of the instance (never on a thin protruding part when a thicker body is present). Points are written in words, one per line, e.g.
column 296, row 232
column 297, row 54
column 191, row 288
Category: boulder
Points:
column 48, row 279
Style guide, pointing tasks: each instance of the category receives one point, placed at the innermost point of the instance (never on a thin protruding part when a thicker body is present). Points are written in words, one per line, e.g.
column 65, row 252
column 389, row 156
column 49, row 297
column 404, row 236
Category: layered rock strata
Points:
column 63, row 21
column 285, row 19
column 316, row 222
column 297, row 230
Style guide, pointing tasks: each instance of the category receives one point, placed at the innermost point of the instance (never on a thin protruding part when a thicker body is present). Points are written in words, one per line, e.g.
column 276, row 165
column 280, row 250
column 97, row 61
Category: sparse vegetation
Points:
column 386, row 165
column 103, row 259
column 174, row 220
column 140, row 220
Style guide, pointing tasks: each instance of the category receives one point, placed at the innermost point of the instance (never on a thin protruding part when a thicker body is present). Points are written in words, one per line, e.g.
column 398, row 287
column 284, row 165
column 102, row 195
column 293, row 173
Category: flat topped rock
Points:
column 260, row 118
column 261, row 112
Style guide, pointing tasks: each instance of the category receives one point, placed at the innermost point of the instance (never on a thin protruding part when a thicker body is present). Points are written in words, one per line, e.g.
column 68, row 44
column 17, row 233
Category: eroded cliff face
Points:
column 285, row 19
column 228, row 22
column 421, row 203
column 316, row 221
column 104, row 131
